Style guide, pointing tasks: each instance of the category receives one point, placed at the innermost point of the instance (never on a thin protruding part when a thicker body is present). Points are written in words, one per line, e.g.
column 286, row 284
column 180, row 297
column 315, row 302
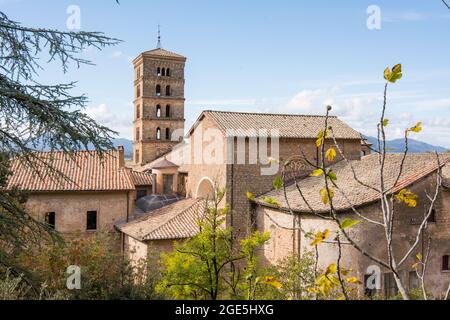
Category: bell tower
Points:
column 158, row 103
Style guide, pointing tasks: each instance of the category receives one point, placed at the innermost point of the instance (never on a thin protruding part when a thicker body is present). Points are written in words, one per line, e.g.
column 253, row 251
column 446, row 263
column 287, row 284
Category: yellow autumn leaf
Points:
column 269, row 280
column 323, row 134
column 394, row 74
column 316, row 173
column 407, row 197
column 419, row 256
column 330, row 154
column 332, row 268
column 326, row 195
column 250, row 196
column 320, row 236
column 417, row 128
column 353, row 280
column 348, row 223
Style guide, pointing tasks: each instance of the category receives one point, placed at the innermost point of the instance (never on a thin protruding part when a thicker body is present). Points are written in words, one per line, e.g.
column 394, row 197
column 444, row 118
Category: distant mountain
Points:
column 127, row 145
column 414, row 146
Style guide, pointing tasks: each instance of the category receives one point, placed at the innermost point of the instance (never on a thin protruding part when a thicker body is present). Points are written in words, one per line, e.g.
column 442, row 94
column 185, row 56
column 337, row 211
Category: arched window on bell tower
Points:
column 168, row 72
column 163, row 73
column 167, row 134
column 158, row 90
column 158, row 111
column 158, row 71
column 168, row 111
column 168, row 93
column 158, row 134
column 138, row 111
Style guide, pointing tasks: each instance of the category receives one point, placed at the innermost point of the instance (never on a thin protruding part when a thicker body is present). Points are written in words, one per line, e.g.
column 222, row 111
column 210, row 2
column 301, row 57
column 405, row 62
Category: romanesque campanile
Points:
column 158, row 103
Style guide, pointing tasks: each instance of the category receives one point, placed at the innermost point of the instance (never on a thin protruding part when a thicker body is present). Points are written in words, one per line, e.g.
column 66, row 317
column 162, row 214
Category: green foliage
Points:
column 296, row 275
column 204, row 267
column 39, row 116
column 348, row 223
column 271, row 201
column 105, row 274
column 12, row 288
column 278, row 183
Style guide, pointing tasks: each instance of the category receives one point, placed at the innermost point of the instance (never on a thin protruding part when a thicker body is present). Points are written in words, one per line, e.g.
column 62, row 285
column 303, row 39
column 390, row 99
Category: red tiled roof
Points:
column 351, row 192
column 78, row 171
column 159, row 52
column 163, row 163
column 141, row 178
column 288, row 125
column 175, row 221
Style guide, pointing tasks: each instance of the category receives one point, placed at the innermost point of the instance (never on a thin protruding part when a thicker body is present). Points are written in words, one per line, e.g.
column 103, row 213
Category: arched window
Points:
column 158, row 71
column 168, row 91
column 158, row 90
column 167, row 134
column 138, row 111
column 158, row 134
column 168, row 72
column 138, row 134
column 158, row 111
column 163, row 72
column 168, row 111
column 138, row 91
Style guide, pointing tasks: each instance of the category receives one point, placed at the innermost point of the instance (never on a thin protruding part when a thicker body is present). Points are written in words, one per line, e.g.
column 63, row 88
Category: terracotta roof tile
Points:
column 164, row 53
column 83, row 171
column 141, row 178
column 289, row 126
column 162, row 164
column 351, row 192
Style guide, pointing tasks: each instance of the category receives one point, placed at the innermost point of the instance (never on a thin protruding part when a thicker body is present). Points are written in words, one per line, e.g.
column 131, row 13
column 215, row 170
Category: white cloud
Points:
column 120, row 122
column 362, row 112
column 117, row 54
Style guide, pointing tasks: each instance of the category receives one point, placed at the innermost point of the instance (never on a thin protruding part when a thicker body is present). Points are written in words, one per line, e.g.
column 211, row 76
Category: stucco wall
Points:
column 284, row 240
column 71, row 209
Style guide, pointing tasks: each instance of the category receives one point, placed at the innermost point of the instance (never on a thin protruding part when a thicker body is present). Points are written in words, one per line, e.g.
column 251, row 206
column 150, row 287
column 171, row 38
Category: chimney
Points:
column 121, row 156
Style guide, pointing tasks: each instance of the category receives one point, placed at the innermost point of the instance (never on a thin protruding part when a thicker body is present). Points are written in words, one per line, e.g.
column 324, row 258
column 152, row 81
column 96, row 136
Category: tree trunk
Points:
column 401, row 288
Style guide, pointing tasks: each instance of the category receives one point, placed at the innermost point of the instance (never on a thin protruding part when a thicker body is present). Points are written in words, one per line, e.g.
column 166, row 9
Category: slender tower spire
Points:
column 159, row 37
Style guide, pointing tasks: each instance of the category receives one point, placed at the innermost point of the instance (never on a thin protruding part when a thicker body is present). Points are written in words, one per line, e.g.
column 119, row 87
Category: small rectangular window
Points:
column 91, row 223
column 50, row 219
column 390, row 287
column 413, row 280
column 446, row 263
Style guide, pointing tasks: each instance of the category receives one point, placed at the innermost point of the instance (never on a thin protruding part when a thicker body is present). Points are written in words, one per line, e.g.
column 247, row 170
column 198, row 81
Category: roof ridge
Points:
column 270, row 114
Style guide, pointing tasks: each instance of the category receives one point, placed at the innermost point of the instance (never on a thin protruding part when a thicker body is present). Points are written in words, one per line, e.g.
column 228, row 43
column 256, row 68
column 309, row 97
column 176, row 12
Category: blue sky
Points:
column 267, row 56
